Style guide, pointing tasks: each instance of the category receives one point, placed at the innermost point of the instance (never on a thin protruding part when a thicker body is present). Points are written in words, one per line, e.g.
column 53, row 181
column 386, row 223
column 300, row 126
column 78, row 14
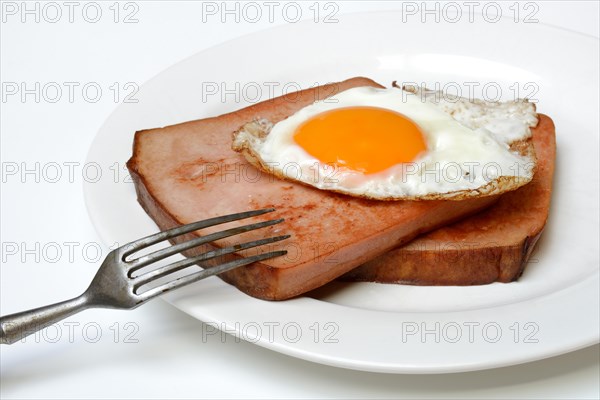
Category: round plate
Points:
column 552, row 309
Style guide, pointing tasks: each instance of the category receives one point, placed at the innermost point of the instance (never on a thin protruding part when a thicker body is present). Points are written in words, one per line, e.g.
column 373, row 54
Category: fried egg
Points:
column 395, row 144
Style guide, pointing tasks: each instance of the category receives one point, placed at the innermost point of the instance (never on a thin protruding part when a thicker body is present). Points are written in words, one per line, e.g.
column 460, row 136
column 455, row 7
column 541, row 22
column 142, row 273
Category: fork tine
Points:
column 139, row 244
column 181, row 264
column 185, row 280
column 178, row 248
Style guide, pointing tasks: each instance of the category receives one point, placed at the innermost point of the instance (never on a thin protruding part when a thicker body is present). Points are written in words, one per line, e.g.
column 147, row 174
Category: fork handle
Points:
column 15, row 327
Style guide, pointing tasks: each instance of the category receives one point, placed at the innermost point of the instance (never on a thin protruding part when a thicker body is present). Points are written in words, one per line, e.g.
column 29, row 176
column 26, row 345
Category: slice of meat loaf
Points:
column 188, row 172
column 491, row 246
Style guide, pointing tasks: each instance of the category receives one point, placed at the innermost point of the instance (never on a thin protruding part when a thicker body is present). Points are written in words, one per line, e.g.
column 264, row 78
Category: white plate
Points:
column 552, row 309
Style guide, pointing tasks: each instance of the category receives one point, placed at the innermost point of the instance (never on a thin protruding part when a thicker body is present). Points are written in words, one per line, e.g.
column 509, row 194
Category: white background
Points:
column 168, row 353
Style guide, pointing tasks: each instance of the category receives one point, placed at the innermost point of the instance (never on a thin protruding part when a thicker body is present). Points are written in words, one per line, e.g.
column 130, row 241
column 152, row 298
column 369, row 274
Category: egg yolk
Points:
column 364, row 139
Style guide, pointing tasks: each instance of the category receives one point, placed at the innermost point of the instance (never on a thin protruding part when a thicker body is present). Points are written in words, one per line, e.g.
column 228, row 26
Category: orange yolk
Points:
column 364, row 139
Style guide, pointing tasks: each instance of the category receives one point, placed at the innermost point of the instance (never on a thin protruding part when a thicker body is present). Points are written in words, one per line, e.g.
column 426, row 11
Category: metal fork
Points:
column 114, row 285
